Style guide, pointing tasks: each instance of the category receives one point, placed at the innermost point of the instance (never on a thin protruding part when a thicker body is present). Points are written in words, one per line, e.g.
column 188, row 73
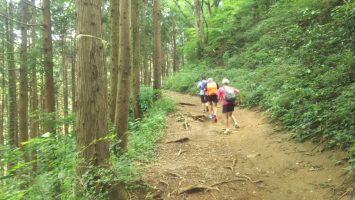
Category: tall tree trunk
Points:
column 150, row 70
column 145, row 51
column 123, row 92
column 114, row 53
column 156, row 44
column 92, row 145
column 48, row 68
column 23, row 100
column 65, row 85
column 175, row 68
column 199, row 28
column 182, row 52
column 136, row 59
column 12, row 93
column 163, row 63
column 167, row 62
column 73, row 79
column 34, row 128
column 3, row 94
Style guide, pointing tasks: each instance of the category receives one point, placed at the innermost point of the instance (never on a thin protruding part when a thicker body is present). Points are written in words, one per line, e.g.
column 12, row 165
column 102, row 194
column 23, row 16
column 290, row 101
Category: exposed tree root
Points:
column 180, row 152
column 200, row 118
column 181, row 140
column 175, row 175
column 248, row 178
column 196, row 188
column 186, row 124
column 165, row 182
column 228, row 181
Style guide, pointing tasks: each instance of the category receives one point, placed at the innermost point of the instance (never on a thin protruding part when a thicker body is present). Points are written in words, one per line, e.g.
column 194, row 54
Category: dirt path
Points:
column 255, row 161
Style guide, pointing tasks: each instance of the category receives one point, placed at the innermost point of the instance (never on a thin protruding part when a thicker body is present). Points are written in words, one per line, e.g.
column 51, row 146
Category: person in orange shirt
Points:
column 212, row 90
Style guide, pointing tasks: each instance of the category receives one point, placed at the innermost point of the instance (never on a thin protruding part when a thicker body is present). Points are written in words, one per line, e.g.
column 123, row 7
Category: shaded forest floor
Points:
column 256, row 161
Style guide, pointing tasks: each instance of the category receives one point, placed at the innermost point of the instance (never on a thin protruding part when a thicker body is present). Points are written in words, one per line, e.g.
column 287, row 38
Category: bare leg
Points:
column 234, row 120
column 215, row 109
column 227, row 119
column 211, row 107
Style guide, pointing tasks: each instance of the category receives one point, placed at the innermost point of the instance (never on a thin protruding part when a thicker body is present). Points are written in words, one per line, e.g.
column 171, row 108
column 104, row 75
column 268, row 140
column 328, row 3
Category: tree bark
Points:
column 145, row 52
column 156, row 44
column 114, row 53
column 23, row 100
column 34, row 128
column 49, row 89
column 3, row 94
column 199, row 28
column 167, row 62
column 65, row 85
column 12, row 93
column 124, row 88
column 73, row 79
column 136, row 59
column 174, row 48
column 92, row 144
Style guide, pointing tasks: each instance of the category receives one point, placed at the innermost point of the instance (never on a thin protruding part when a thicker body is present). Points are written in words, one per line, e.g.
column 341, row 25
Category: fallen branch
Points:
column 181, row 140
column 187, row 104
column 228, row 181
column 196, row 188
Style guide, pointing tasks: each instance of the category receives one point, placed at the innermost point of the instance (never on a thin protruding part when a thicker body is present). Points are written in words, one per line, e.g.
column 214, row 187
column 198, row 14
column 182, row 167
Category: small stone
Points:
column 253, row 155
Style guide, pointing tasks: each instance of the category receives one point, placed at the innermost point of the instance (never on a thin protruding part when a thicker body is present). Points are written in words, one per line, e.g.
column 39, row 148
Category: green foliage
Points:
column 56, row 158
column 293, row 58
column 141, row 142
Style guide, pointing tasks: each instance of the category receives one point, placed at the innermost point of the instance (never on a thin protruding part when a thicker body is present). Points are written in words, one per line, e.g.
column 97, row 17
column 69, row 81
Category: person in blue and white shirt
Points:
column 201, row 86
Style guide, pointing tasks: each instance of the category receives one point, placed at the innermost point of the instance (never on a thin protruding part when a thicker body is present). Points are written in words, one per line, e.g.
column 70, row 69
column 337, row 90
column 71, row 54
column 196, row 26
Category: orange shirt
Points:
column 211, row 88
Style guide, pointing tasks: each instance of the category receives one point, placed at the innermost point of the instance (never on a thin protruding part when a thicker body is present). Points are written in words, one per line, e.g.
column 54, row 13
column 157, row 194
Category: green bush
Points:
column 293, row 58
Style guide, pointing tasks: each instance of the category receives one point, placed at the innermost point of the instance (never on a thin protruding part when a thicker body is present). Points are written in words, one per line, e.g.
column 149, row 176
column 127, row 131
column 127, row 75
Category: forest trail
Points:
column 255, row 161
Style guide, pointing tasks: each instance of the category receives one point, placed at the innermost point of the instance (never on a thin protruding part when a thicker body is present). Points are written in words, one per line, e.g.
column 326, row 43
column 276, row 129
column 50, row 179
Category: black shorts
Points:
column 228, row 108
column 203, row 98
column 212, row 98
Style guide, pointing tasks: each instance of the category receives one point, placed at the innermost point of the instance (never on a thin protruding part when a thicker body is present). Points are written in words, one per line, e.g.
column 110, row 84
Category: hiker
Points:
column 202, row 85
column 212, row 90
column 228, row 97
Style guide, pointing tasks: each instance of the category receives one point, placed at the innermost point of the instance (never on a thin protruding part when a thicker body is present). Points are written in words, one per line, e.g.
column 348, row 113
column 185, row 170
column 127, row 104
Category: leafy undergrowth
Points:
column 293, row 58
column 56, row 158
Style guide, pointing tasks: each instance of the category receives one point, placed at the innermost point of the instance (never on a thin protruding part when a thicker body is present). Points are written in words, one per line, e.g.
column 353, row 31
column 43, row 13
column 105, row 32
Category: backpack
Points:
column 229, row 94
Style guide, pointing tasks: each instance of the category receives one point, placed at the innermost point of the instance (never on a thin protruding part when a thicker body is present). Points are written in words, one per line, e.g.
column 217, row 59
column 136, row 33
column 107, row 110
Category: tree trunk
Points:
column 34, row 128
column 114, row 53
column 136, row 59
column 123, row 92
column 92, row 145
column 199, row 28
column 150, row 72
column 65, row 85
column 48, row 69
column 156, row 44
column 174, row 48
column 145, row 52
column 167, row 62
column 163, row 63
column 3, row 94
column 23, row 100
column 73, row 80
column 12, row 96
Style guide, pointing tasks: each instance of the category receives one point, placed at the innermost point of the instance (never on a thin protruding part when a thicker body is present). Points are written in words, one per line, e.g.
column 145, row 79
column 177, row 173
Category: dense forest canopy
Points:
column 81, row 81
